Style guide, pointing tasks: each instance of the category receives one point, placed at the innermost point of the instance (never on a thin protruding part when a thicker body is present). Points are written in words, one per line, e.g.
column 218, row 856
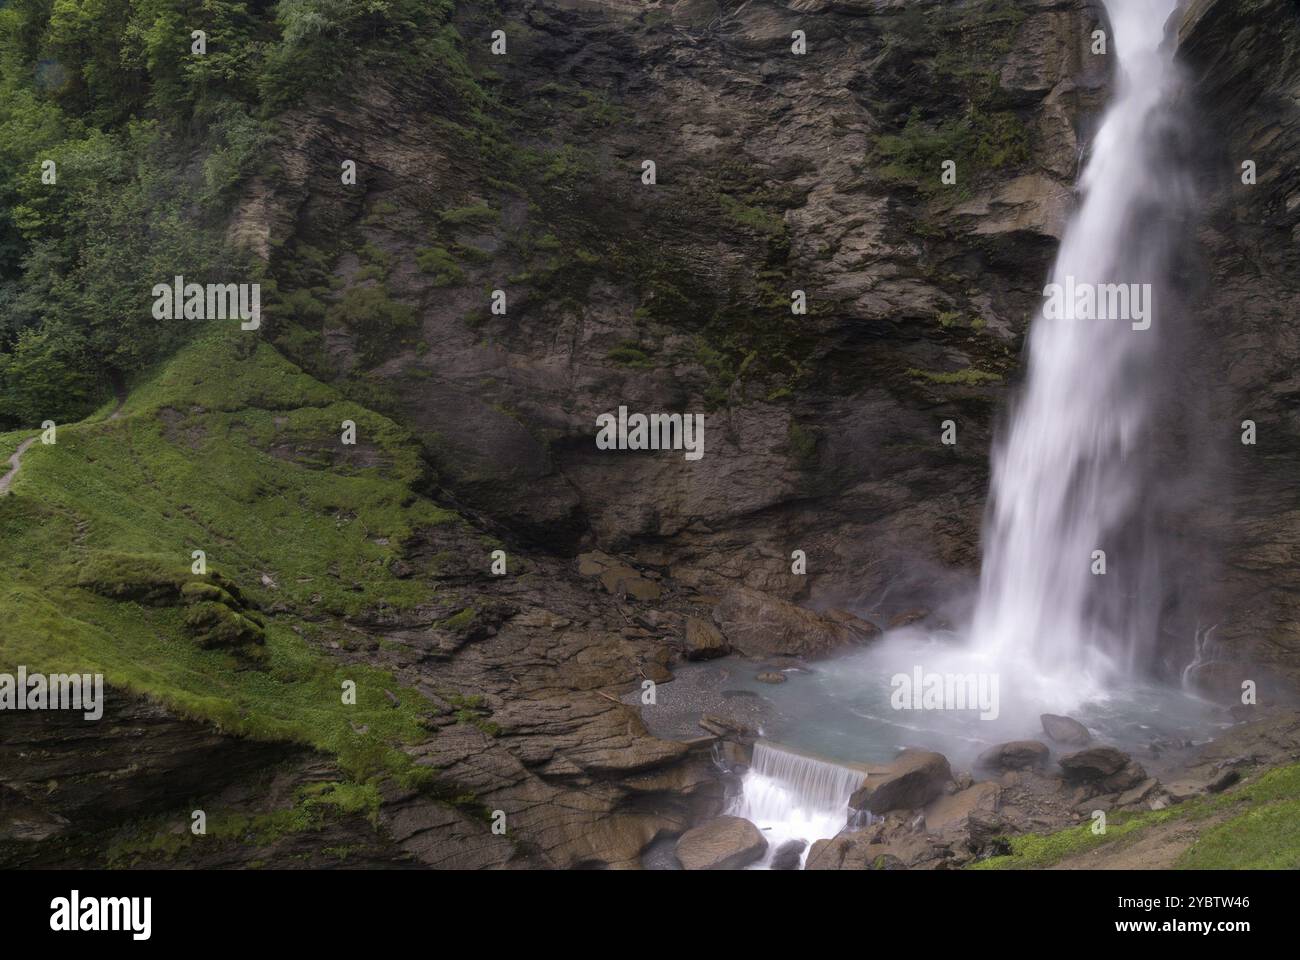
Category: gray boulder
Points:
column 910, row 782
column 1094, row 763
column 1065, row 730
column 727, row 843
column 759, row 625
column 787, row 855
column 1014, row 755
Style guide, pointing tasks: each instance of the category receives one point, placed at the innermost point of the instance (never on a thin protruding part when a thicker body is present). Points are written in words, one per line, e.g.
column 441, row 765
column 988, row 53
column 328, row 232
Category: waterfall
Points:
column 1072, row 475
column 790, row 796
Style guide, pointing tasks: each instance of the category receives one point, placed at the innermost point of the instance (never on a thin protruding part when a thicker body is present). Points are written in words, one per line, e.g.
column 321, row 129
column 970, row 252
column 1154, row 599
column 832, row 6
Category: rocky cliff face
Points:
column 775, row 172
column 1243, row 65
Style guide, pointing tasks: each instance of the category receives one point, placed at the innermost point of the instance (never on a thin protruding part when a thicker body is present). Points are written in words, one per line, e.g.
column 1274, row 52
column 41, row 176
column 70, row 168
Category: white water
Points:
column 790, row 796
column 1069, row 477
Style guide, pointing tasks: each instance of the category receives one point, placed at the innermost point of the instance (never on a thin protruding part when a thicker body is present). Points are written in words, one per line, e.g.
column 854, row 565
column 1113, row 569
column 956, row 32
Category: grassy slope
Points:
column 9, row 443
column 202, row 479
column 1255, row 826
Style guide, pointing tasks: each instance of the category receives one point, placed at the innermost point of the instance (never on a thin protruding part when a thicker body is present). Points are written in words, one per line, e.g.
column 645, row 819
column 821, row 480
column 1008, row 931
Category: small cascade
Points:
column 791, row 796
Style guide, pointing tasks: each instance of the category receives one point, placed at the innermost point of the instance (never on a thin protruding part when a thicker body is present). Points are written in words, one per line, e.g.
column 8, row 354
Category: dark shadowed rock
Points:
column 787, row 855
column 1128, row 777
column 907, row 618
column 911, row 781
column 727, row 843
column 1065, row 730
column 760, row 626
column 1139, row 793
column 985, row 833
column 1015, row 755
column 703, row 640
column 1094, row 763
column 656, row 672
column 865, row 630
column 1223, row 781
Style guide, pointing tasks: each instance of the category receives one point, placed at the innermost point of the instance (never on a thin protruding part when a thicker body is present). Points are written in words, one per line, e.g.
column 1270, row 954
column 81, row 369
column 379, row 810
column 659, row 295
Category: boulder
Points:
column 1014, row 755
column 948, row 812
column 1223, row 781
column 1139, row 793
column 1094, row 763
column 788, row 855
column 880, row 847
column 656, row 672
column 1127, row 778
column 907, row 618
column 910, row 782
column 865, row 630
column 985, row 832
column 727, row 843
column 703, row 640
column 760, row 626
column 619, row 578
column 1065, row 730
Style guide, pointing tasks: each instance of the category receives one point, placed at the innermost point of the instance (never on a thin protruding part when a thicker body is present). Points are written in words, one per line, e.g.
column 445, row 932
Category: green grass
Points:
column 478, row 214
column 751, row 217
column 9, row 442
column 315, row 806
column 441, row 263
column 1266, row 835
column 189, row 466
column 1261, row 832
column 630, row 354
column 1263, row 839
column 969, row 377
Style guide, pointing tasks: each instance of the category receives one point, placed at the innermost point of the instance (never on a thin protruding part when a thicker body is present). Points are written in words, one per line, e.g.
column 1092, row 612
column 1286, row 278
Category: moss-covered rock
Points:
column 215, row 625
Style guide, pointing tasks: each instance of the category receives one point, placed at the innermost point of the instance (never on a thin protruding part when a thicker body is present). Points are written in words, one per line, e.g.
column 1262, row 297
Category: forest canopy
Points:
column 121, row 149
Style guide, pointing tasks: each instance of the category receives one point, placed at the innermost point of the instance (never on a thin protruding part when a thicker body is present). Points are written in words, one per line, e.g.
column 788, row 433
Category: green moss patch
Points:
column 120, row 506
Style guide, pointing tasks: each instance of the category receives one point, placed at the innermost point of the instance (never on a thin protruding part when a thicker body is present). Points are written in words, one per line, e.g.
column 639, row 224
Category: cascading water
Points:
column 1071, row 476
column 790, row 796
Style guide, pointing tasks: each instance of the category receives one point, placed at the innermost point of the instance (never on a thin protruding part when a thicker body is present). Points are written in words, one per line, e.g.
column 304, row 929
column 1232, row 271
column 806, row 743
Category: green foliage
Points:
column 955, row 53
column 630, row 354
column 440, row 262
column 151, row 143
column 751, row 217
column 46, row 375
column 479, row 213
column 803, row 443
column 379, row 321
column 314, row 807
column 978, row 142
column 473, row 710
column 969, row 377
